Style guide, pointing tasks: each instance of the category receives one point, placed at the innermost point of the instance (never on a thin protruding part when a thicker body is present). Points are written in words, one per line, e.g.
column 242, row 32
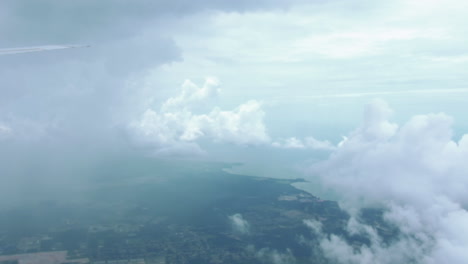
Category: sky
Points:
column 332, row 91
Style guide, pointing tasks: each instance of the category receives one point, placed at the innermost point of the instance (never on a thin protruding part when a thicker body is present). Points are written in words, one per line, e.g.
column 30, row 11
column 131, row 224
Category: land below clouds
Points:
column 176, row 212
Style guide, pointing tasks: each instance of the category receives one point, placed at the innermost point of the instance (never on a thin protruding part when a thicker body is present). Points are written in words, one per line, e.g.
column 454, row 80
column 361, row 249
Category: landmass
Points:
column 169, row 220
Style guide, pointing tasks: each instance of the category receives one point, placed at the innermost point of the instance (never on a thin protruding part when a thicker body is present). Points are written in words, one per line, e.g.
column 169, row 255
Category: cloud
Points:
column 5, row 131
column 291, row 142
column 353, row 96
column 416, row 173
column 86, row 89
column 274, row 256
column 102, row 15
column 239, row 224
column 26, row 130
column 36, row 49
column 314, row 225
column 243, row 125
column 176, row 123
column 307, row 143
column 337, row 249
column 192, row 94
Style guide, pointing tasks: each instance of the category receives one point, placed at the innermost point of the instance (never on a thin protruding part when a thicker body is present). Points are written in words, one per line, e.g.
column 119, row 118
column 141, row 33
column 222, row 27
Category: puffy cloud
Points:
column 243, row 125
column 239, row 224
column 338, row 250
column 376, row 125
column 191, row 94
column 176, row 124
column 416, row 174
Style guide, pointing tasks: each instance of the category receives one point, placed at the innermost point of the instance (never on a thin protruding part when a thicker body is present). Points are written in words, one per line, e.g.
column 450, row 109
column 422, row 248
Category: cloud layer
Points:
column 67, row 109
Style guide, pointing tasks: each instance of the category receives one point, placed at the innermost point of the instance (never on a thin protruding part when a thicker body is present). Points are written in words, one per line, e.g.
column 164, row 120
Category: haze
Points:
column 365, row 100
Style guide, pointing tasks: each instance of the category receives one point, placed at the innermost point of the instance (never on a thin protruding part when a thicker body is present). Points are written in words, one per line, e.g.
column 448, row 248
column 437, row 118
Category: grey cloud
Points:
column 87, row 20
column 72, row 107
column 126, row 39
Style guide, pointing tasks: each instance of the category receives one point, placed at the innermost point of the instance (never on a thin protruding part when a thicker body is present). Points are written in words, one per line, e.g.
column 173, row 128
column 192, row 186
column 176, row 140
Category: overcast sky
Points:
column 263, row 82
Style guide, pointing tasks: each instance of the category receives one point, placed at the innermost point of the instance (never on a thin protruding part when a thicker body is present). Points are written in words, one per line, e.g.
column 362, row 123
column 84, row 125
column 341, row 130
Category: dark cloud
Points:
column 89, row 21
column 61, row 111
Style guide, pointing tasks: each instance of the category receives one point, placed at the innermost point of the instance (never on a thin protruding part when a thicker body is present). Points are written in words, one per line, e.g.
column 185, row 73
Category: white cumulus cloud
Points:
column 417, row 174
column 176, row 124
column 191, row 94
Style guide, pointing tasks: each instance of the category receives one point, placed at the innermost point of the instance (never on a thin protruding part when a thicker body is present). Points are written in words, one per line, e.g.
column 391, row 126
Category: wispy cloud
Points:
column 352, row 95
column 307, row 143
column 39, row 49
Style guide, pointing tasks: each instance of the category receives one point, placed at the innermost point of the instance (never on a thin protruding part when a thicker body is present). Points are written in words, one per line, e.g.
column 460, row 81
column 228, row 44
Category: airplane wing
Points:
column 39, row 48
